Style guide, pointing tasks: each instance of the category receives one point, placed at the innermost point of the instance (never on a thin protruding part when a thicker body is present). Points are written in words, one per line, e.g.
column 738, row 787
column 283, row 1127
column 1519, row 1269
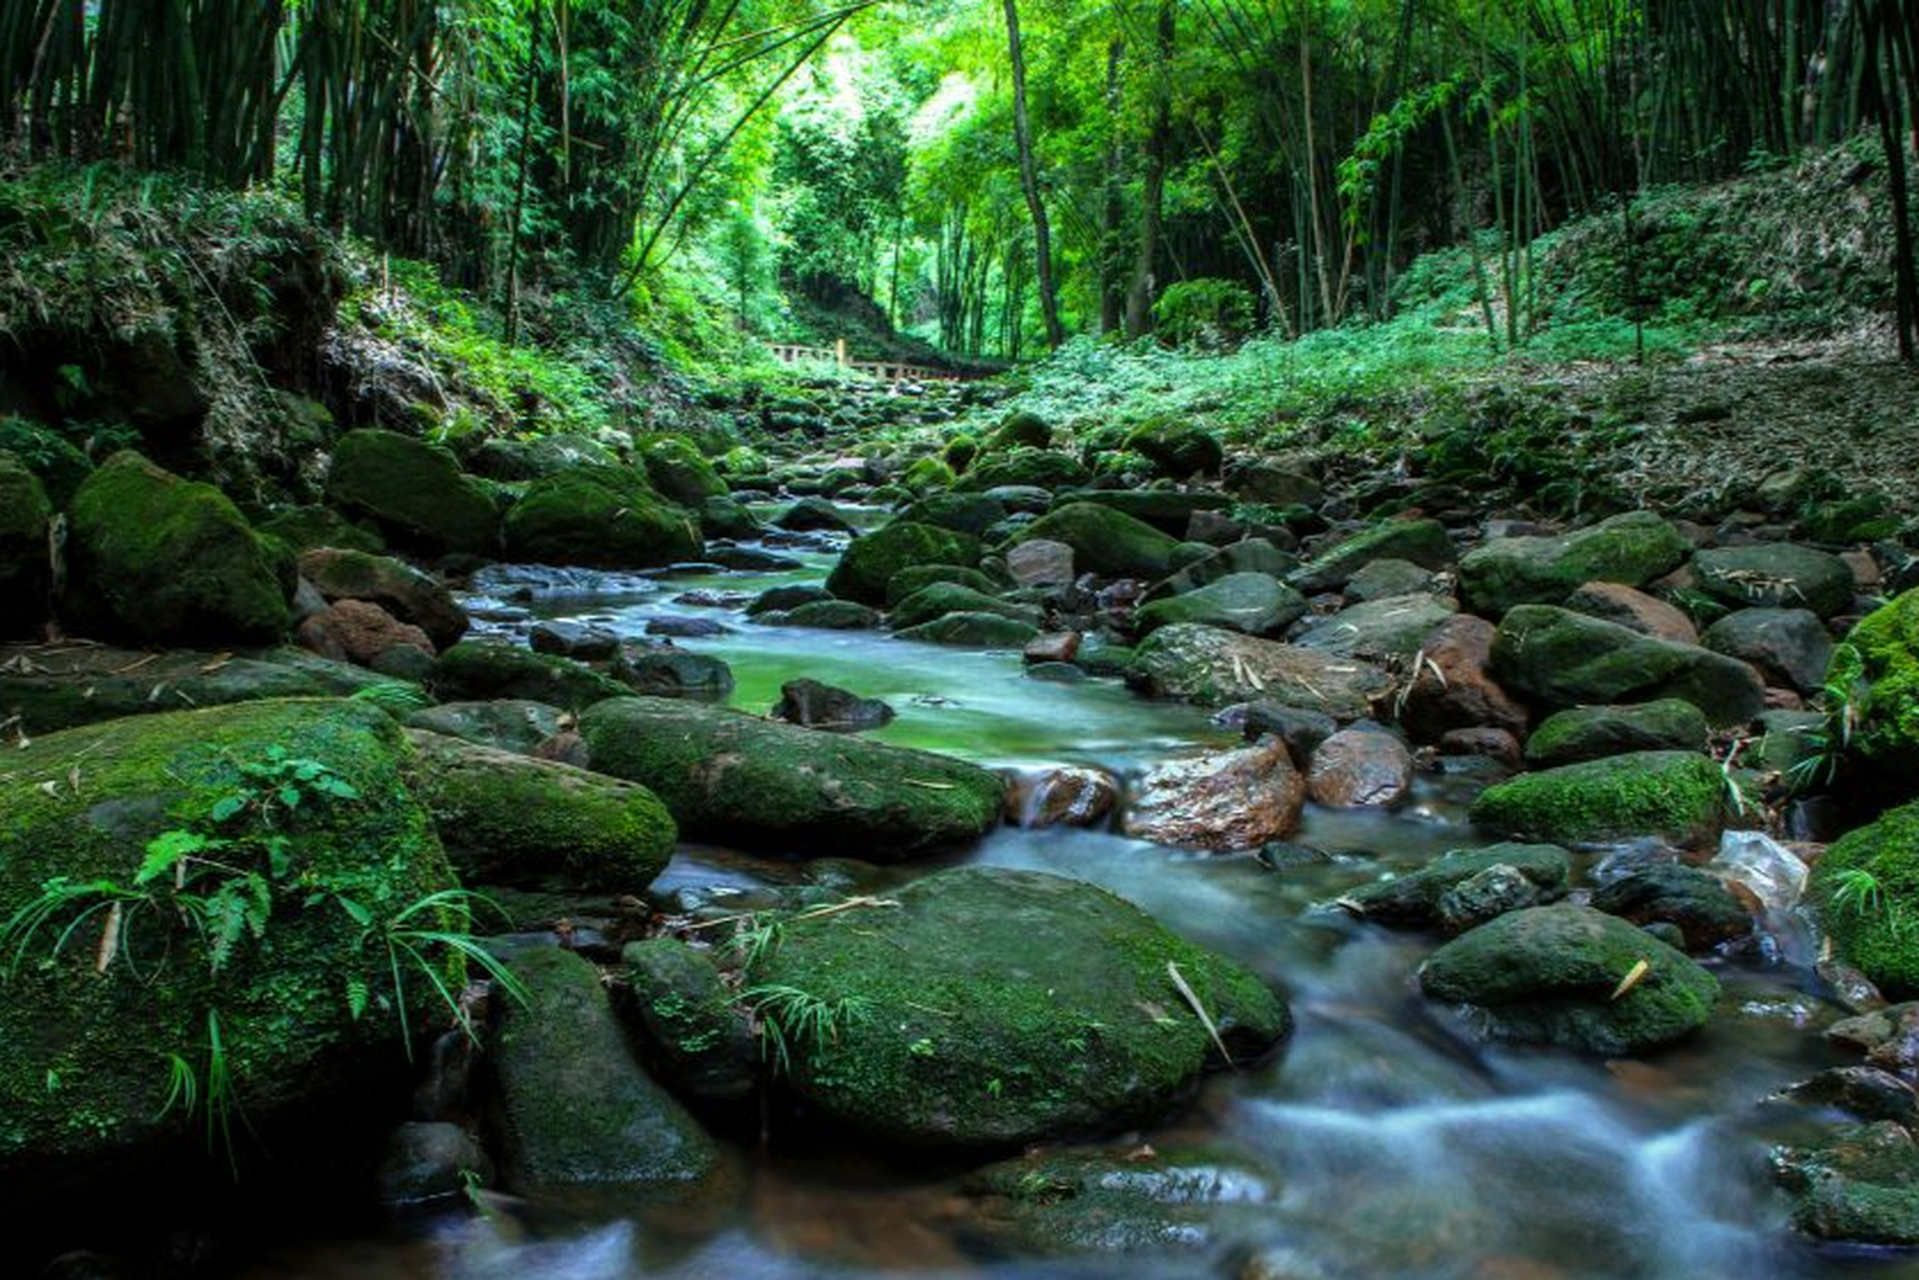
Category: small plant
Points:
column 396, row 696
column 1828, row 744
column 792, row 1021
column 1859, row 892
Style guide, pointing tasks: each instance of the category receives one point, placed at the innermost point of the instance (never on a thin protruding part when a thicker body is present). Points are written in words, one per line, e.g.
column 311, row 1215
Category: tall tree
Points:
column 1145, row 284
column 1029, row 181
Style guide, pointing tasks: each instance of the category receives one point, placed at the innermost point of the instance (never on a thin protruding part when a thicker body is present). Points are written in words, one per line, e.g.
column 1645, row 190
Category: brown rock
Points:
column 1453, row 688
column 1040, row 563
column 1357, row 768
column 1053, row 646
column 1495, row 744
column 1066, row 796
column 1648, row 615
column 1866, row 573
column 358, row 631
column 397, row 587
column 1229, row 801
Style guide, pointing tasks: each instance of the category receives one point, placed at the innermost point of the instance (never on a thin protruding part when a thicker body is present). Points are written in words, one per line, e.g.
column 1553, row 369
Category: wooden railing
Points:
column 885, row 370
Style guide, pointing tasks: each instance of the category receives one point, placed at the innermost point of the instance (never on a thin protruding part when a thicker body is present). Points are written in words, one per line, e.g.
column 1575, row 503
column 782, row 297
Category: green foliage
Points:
column 1211, row 314
column 1827, row 746
column 795, row 1025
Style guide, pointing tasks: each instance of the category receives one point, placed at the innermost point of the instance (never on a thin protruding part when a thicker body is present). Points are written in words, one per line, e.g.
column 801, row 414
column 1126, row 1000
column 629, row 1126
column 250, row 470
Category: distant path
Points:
column 885, row 370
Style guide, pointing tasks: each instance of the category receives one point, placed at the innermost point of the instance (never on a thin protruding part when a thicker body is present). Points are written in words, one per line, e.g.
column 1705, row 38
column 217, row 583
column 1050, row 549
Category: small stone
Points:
column 1225, row 802
column 573, row 640
column 1484, row 895
column 1052, row 646
column 1064, row 796
column 1360, row 767
column 823, row 706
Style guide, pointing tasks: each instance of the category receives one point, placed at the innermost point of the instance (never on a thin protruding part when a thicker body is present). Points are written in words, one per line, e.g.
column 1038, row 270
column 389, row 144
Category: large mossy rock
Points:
column 482, row 669
column 1038, row 468
column 699, row 1038
column 938, row 599
column 1168, row 510
column 1217, row 668
column 1558, row 658
column 1559, row 975
column 1414, row 899
column 1676, row 796
column 1178, row 450
column 1395, row 627
column 1775, row 575
column 1590, row 733
column 1866, row 893
column 510, row 819
column 1256, row 604
column 24, row 554
column 992, row 1008
column 159, row 560
column 1886, row 645
column 1860, row 1186
column 1421, row 542
column 415, row 492
column 973, row 629
column 600, row 517
column 576, row 1111
column 1104, row 541
column 741, row 780
column 679, row 472
column 1630, row 549
column 85, row 1074
column 871, row 561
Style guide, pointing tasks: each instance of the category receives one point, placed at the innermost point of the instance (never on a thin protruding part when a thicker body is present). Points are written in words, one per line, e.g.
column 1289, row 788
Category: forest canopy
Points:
column 990, row 174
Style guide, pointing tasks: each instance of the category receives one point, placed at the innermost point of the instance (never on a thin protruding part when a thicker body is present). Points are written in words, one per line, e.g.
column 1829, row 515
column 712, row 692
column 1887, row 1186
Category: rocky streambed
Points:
column 1189, row 879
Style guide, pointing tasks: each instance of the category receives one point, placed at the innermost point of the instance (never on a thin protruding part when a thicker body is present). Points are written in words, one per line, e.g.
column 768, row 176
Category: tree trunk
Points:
column 1029, row 179
column 1145, row 286
column 1112, row 293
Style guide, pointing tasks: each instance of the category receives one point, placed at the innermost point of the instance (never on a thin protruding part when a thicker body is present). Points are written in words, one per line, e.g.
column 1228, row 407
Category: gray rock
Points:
column 1777, row 575
column 1216, row 668
column 1790, row 647
column 1565, row 659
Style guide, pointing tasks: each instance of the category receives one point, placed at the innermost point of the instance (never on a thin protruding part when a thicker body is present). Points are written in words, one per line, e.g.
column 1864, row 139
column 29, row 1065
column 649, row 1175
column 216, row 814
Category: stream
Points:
column 1384, row 1141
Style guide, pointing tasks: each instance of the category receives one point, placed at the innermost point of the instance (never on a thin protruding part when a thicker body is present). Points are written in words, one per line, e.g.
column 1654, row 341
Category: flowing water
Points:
column 1385, row 1140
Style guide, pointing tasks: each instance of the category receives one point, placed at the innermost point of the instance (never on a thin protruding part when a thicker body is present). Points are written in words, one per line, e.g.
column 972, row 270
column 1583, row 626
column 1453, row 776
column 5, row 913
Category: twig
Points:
column 1179, row 981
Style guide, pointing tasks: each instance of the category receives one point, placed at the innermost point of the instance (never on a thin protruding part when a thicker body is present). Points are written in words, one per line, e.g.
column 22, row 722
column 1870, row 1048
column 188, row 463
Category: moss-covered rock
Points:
column 739, row 779
column 994, row 1007
column 1866, row 893
column 1676, row 796
column 972, row 630
column 1217, row 668
column 929, row 475
column 24, row 554
column 1257, row 604
column 1590, row 733
column 510, row 819
column 913, row 580
column 1377, row 630
column 1421, row 542
column 972, row 513
column 165, row 561
column 1558, row 658
column 825, row 615
column 399, row 588
column 1559, row 975
column 1632, row 549
column 414, row 492
column 871, row 561
column 1414, row 899
column 680, row 472
column 960, row 452
column 1168, row 510
column 505, row 724
column 1885, row 645
column 698, row 1036
column 576, row 1111
column 1041, row 468
column 305, row 528
column 1177, row 449
column 85, row 1076
column 1020, row 429
column 1859, row 1186
column 1775, row 575
column 941, row 598
column 1104, row 541
column 477, row 669
column 604, row 517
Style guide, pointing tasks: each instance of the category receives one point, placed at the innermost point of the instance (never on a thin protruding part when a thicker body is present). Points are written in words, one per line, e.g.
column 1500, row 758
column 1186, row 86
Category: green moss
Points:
column 414, row 491
column 601, row 516
column 1589, row 733
column 1004, row 1007
column 1020, row 429
column 1177, row 449
column 510, row 819
column 872, row 560
column 1677, row 796
column 680, row 472
column 928, row 475
column 911, row 581
column 1042, row 468
column 475, row 669
column 1633, row 549
column 82, row 804
column 1866, row 892
column 937, row 599
column 1887, row 642
column 305, row 528
column 1421, row 542
column 736, row 778
column 162, row 560
column 1104, row 541
column 24, row 513
column 960, row 452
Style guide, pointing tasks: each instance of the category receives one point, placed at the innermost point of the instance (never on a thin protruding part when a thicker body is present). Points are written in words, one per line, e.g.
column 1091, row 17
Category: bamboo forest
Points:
column 959, row 639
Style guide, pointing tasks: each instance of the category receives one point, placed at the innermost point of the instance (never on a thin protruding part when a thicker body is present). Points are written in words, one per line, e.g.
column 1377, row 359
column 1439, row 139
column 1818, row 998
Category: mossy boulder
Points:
column 1177, row 449
column 1018, row 430
column 872, row 560
column 81, row 807
column 972, row 513
column 825, row 615
column 159, row 560
column 414, row 492
column 1109, row 543
column 938, row 599
column 916, row 579
column 1040, row 468
column 1676, row 796
column 928, row 475
column 1215, row 667
column 1858, row 1186
column 1558, row 658
column 576, row 1112
column 992, row 1008
column 1421, row 542
column 1168, row 510
column 396, row 586
column 1414, row 899
column 960, row 452
column 972, row 630
column 305, row 528
column 1257, row 604
column 1395, row 627
column 478, row 669
column 1559, row 975
column 24, row 555
column 1590, row 733
column 1631, row 549
column 1110, row 1203
column 599, row 517
column 1866, row 893
column 1885, row 648
column 679, row 472
column 741, row 780
column 701, row 1040
column 514, row 820
column 505, row 724
column 1775, row 575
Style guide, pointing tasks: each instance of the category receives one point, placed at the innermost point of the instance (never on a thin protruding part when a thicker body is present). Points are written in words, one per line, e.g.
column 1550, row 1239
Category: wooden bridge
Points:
column 885, row 370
